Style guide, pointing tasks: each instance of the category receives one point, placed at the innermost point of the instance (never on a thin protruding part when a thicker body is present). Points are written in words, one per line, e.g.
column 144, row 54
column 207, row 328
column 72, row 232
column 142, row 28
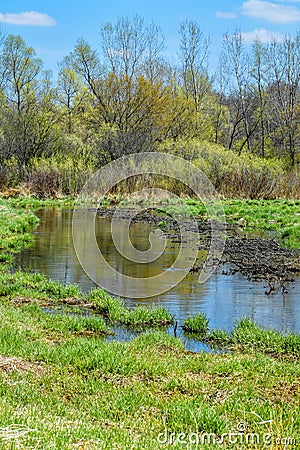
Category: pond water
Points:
column 224, row 298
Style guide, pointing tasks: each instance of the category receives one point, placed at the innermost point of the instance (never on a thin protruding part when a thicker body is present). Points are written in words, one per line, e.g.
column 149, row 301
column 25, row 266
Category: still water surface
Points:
column 224, row 298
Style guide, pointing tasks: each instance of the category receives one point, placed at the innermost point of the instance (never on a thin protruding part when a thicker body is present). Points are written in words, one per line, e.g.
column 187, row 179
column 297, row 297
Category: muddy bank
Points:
column 260, row 259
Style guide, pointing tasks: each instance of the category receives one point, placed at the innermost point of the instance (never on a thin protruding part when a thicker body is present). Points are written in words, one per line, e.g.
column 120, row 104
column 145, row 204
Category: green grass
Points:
column 34, row 285
column 63, row 386
column 58, row 324
column 197, row 324
column 246, row 334
column 36, row 203
column 72, row 391
column 115, row 311
column 15, row 227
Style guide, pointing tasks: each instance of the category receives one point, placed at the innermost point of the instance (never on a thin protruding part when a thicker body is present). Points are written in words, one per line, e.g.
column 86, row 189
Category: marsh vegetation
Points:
column 73, row 389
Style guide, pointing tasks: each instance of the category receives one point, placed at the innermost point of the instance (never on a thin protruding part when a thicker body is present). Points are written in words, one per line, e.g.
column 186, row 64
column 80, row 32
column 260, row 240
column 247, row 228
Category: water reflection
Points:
column 224, row 298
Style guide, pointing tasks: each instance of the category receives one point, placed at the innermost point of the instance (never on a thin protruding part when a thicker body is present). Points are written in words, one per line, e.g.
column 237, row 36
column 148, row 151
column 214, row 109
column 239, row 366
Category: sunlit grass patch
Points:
column 86, row 390
column 248, row 333
column 34, row 285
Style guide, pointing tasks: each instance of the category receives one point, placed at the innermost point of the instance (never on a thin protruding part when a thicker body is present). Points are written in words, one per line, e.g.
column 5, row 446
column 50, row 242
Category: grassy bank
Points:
column 64, row 387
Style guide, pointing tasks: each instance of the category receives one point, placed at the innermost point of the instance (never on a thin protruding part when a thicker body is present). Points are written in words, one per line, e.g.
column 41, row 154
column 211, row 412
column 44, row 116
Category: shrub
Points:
column 244, row 176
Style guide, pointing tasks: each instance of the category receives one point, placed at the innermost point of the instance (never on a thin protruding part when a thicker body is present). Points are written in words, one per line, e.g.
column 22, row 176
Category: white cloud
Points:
column 32, row 18
column 272, row 12
column 226, row 15
column 261, row 35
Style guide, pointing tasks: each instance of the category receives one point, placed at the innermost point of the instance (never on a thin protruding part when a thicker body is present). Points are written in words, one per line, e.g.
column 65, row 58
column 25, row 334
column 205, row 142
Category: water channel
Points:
column 224, row 298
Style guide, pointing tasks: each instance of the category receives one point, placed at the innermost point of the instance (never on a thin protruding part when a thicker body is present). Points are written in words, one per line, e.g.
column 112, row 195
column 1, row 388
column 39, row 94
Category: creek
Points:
column 224, row 298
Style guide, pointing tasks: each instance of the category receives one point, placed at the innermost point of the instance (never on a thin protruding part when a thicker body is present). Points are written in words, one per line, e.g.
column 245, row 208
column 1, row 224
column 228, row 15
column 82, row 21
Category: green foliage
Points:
column 54, row 135
column 197, row 324
column 63, row 174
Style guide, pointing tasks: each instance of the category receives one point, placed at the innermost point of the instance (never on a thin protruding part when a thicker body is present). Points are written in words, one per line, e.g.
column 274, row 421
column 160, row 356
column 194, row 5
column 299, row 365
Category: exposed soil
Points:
column 260, row 259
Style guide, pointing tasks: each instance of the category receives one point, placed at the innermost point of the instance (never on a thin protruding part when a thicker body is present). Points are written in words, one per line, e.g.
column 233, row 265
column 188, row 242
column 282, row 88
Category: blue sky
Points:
column 53, row 27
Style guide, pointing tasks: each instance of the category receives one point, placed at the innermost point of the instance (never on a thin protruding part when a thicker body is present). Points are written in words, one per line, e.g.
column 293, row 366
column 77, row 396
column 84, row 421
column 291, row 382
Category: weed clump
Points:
column 249, row 333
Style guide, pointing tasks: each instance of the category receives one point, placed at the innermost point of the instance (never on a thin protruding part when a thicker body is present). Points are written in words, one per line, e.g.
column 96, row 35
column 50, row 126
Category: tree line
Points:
column 125, row 97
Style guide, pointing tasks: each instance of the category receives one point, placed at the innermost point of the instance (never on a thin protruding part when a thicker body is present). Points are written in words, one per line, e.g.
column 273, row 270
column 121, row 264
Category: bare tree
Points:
column 259, row 73
column 132, row 48
column 221, row 114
